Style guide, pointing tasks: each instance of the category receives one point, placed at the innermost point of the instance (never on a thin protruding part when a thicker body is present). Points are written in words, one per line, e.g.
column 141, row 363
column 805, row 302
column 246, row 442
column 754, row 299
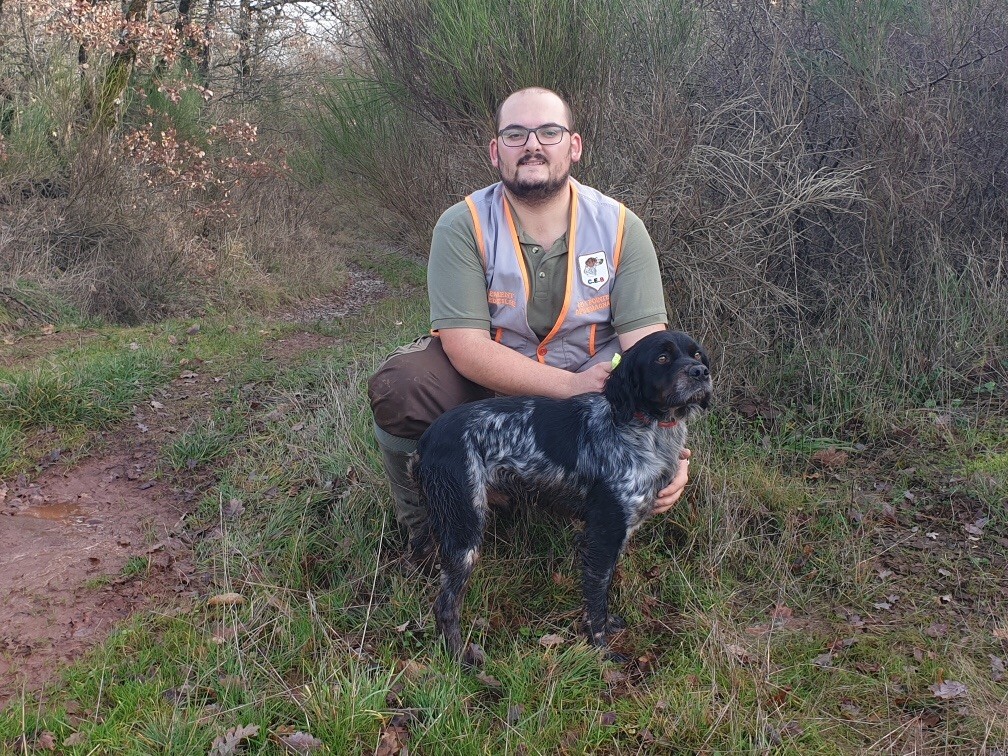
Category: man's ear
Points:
column 575, row 147
column 493, row 152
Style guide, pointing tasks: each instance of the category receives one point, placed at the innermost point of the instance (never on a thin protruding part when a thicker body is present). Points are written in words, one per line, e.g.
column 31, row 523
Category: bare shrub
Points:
column 272, row 250
column 816, row 176
column 100, row 243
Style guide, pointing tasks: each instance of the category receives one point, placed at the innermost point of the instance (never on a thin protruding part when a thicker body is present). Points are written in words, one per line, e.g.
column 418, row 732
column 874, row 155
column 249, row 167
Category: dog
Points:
column 604, row 456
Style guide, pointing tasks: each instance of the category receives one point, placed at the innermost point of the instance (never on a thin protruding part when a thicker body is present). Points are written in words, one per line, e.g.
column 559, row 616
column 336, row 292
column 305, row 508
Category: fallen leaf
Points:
column 823, row 660
column 977, row 526
column 193, row 329
column 299, row 742
column 778, row 698
column 937, row 630
column 475, row 655
column 548, row 641
column 850, row 709
column 226, row 599
column 134, row 346
column 75, row 739
column 46, row 741
column 782, row 612
column 830, row 458
column 393, row 742
column 997, row 668
column 1001, row 633
column 608, row 719
column 229, row 743
column 613, row 676
column 645, row 663
column 412, row 669
column 233, row 509
column 948, row 690
column 156, row 404
column 48, row 330
column 489, row 681
column 738, row 652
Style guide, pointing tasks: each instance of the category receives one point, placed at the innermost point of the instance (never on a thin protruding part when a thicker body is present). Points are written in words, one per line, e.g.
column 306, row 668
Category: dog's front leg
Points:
column 605, row 534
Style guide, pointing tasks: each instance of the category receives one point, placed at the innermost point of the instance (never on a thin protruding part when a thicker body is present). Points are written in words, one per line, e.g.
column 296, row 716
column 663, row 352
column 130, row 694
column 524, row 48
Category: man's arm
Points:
column 628, row 339
column 482, row 360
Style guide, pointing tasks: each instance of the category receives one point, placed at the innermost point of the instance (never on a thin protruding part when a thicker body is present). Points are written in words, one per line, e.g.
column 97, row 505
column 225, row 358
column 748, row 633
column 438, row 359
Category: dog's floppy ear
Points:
column 623, row 390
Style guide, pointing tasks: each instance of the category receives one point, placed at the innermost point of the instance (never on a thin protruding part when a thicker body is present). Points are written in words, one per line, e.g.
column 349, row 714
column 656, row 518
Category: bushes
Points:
column 802, row 168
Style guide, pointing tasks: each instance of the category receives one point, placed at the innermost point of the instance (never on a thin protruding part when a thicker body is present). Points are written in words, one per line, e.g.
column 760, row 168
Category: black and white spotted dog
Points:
column 603, row 455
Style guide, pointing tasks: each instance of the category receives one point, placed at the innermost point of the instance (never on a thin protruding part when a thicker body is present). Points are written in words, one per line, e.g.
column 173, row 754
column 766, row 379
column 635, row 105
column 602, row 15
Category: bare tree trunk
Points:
column 118, row 73
column 244, row 49
column 204, row 62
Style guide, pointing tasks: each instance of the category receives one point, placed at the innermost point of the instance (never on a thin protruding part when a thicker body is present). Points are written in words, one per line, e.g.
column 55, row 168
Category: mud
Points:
column 65, row 540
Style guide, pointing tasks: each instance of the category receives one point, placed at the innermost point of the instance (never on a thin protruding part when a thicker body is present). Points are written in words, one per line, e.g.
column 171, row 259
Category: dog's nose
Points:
column 699, row 371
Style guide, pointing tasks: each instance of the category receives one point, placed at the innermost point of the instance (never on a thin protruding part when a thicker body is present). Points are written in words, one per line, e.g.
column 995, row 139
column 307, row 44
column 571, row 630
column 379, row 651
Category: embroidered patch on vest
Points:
column 502, row 298
column 592, row 305
column 593, row 269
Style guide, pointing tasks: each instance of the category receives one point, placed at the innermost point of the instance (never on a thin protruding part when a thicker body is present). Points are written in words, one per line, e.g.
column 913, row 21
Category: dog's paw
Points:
column 615, row 656
column 615, row 624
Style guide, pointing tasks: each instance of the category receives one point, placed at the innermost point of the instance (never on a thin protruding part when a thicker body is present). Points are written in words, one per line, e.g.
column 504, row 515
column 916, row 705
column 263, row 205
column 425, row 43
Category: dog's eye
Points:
column 697, row 357
column 663, row 359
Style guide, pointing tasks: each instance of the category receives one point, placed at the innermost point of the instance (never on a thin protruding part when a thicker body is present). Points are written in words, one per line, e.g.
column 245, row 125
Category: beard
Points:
column 534, row 191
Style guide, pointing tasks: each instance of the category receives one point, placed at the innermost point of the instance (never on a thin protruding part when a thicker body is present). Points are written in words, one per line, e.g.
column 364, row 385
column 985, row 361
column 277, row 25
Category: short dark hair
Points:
column 543, row 90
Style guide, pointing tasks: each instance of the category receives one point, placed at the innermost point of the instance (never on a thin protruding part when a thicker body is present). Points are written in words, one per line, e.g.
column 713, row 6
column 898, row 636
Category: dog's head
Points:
column 664, row 376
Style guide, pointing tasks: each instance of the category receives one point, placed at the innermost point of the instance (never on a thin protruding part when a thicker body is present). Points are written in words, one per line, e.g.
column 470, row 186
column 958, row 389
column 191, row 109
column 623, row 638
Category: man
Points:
column 534, row 284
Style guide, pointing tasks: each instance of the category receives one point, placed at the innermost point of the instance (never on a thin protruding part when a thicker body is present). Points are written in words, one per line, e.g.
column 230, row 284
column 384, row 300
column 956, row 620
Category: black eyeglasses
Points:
column 517, row 136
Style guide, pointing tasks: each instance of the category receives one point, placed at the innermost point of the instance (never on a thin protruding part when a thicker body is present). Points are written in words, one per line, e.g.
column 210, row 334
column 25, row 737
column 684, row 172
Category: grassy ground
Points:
column 810, row 595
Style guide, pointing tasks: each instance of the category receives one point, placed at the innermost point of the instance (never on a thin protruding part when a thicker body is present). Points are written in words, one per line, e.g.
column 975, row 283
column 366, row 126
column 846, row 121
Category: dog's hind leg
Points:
column 459, row 521
column 604, row 537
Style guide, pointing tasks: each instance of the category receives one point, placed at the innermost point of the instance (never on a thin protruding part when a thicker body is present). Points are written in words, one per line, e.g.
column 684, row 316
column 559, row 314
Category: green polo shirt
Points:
column 456, row 281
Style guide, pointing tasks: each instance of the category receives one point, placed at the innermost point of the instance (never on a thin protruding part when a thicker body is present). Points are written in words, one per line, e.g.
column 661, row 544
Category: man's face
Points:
column 535, row 172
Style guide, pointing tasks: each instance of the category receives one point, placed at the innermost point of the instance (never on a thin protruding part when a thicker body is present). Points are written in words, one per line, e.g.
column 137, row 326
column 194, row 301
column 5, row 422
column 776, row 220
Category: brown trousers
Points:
column 415, row 385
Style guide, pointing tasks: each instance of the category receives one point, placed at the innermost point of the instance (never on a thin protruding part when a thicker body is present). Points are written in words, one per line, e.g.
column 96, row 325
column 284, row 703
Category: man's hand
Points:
column 669, row 495
column 592, row 379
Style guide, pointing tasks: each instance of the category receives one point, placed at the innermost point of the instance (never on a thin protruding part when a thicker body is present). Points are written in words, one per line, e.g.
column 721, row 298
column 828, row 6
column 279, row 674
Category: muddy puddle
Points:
column 68, row 514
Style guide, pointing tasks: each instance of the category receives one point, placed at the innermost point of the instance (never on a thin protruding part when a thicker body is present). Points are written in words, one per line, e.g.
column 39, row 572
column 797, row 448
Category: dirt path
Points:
column 79, row 552
column 83, row 547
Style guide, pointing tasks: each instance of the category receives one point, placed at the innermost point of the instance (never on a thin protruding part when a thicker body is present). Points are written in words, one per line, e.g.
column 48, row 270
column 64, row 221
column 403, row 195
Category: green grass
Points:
column 733, row 599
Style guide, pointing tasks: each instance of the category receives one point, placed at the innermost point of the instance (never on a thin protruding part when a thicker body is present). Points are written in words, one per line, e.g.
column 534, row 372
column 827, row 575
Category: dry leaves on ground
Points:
column 229, row 743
